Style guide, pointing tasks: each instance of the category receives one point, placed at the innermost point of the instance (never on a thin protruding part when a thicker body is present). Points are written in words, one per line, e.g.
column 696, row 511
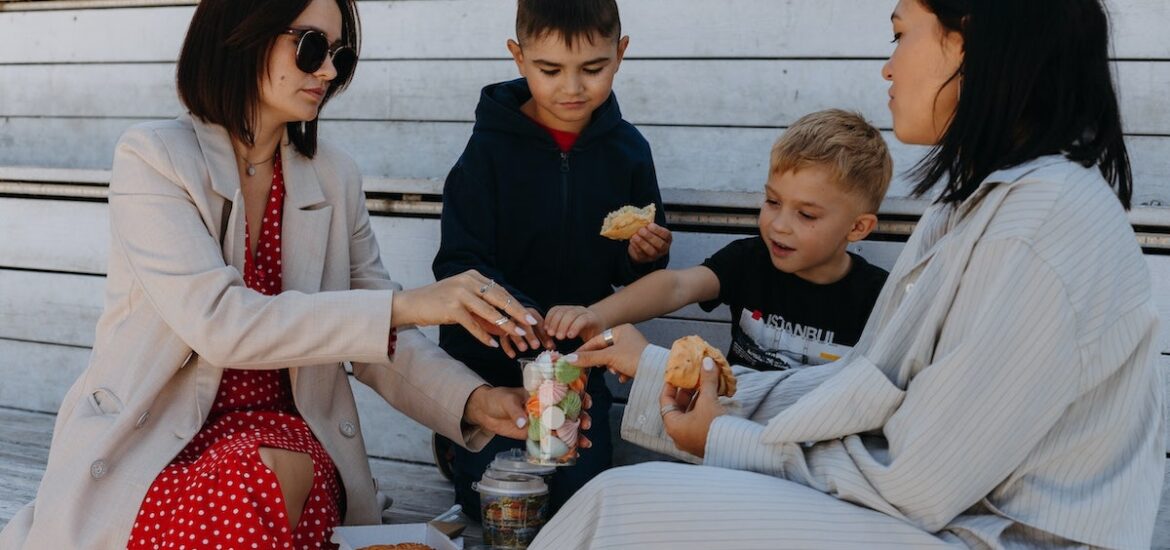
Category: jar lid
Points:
column 516, row 460
column 499, row 483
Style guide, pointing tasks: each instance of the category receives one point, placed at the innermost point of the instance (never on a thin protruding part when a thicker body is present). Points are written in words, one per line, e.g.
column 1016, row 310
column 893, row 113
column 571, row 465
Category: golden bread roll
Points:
column 686, row 359
column 621, row 224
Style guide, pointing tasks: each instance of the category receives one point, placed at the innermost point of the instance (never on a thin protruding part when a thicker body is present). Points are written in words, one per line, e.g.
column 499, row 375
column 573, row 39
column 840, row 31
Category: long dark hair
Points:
column 1035, row 80
column 225, row 56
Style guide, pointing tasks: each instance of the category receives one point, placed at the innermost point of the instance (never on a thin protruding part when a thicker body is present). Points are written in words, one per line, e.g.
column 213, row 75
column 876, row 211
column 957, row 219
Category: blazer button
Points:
column 909, row 287
column 348, row 429
column 98, row 469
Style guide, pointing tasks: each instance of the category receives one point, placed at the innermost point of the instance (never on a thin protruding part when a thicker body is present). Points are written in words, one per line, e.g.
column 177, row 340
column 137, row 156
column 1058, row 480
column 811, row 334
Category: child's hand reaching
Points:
column 650, row 243
column 566, row 322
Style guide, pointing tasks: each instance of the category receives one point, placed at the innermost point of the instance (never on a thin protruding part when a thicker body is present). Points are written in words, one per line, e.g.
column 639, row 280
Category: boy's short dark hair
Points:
column 225, row 56
column 851, row 149
column 572, row 19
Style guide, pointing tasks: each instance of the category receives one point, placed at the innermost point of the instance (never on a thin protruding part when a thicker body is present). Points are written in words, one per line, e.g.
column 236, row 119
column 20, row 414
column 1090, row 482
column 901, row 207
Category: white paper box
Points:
column 352, row 538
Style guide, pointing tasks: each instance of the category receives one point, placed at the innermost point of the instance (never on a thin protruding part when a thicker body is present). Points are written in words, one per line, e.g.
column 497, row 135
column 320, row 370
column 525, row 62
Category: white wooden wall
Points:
column 711, row 85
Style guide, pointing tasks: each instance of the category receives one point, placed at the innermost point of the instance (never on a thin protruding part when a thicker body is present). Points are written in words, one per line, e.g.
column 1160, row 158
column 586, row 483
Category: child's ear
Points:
column 623, row 43
column 517, row 55
column 862, row 227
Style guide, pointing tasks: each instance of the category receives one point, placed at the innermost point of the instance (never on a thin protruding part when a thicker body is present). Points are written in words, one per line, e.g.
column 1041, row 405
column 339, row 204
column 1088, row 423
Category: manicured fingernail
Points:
column 708, row 363
column 521, row 422
column 572, row 358
column 521, row 332
column 531, row 320
column 495, row 344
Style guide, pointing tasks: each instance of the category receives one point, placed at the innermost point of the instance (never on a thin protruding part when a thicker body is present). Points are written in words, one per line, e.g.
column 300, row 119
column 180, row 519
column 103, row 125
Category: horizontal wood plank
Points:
column 711, row 159
column 1163, row 362
column 24, row 451
column 411, row 29
column 767, row 93
column 1162, row 524
column 75, row 239
column 54, row 308
column 37, row 376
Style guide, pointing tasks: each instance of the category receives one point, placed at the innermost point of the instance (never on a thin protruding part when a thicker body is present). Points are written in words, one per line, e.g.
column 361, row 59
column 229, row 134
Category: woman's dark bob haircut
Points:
column 1035, row 80
column 225, row 57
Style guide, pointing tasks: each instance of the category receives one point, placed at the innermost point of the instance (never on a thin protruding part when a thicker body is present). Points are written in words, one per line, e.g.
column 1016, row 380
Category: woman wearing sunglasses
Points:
column 243, row 273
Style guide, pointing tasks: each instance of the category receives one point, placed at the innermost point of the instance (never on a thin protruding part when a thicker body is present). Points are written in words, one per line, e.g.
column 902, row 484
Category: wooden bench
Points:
column 710, row 87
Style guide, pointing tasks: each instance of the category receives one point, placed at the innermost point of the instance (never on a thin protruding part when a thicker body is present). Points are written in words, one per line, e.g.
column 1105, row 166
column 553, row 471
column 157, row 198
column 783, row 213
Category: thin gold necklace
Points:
column 251, row 166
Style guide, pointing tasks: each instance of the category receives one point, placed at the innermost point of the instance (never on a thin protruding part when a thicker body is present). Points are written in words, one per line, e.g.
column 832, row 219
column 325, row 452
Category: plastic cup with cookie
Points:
column 513, row 506
column 556, row 395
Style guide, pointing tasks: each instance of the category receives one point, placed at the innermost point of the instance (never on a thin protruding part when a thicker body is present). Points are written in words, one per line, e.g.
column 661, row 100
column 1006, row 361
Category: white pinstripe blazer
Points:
column 1004, row 384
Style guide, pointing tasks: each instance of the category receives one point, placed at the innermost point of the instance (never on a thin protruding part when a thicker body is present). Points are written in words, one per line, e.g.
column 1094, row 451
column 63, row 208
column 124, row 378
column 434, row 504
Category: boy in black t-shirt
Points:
column 797, row 297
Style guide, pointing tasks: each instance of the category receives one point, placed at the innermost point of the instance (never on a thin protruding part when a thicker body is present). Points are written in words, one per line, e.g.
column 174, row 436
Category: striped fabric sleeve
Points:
column 641, row 424
column 1001, row 378
column 734, row 442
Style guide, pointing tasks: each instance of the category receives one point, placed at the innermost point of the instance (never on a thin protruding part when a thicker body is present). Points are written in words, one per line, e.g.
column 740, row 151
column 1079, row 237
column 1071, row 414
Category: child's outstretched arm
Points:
column 656, row 294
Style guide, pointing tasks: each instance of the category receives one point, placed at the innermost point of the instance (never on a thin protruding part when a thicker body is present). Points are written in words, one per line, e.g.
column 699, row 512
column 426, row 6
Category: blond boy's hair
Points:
column 843, row 142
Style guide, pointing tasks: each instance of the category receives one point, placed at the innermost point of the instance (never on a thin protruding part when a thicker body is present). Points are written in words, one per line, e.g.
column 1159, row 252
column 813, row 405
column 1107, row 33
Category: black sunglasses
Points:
column 312, row 49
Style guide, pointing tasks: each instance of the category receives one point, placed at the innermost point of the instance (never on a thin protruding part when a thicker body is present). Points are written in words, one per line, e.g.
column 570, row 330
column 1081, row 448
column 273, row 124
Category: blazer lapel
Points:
column 305, row 234
column 220, row 160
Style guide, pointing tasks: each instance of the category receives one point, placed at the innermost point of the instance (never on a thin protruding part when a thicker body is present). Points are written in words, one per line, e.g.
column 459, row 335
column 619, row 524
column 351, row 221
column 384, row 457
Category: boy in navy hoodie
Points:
column 548, row 158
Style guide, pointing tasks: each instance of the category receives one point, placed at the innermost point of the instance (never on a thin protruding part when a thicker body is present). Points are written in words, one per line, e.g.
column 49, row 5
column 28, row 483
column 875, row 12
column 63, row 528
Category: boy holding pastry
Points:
column 549, row 157
column 797, row 297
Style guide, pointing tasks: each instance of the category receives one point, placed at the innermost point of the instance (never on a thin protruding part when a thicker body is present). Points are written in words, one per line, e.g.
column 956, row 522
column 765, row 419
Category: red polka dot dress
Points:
column 217, row 493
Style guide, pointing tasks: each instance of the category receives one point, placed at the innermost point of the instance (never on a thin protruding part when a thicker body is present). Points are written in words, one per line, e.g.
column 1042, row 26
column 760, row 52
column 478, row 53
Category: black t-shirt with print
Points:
column 779, row 320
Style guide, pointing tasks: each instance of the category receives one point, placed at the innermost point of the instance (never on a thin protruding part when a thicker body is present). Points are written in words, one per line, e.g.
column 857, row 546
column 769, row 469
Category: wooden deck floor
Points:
column 419, row 492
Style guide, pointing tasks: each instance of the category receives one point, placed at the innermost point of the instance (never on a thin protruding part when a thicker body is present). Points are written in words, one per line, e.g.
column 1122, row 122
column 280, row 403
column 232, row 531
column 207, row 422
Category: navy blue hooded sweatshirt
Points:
column 523, row 213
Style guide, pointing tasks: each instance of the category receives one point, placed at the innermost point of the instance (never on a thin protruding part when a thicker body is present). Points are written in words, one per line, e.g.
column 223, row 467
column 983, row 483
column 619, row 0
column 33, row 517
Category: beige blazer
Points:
column 177, row 313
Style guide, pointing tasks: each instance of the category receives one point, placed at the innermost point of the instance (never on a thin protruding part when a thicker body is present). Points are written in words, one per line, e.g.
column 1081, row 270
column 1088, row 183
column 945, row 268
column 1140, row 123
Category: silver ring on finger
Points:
column 669, row 408
column 487, row 287
column 607, row 336
column 500, row 322
column 508, row 303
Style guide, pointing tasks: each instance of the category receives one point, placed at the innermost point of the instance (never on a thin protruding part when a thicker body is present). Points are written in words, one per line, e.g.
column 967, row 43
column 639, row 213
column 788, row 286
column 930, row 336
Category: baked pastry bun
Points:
column 621, row 224
column 686, row 359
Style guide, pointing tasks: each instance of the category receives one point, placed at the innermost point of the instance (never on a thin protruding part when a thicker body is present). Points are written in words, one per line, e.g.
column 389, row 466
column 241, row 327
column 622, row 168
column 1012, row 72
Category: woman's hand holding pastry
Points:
column 619, row 349
column 650, row 243
column 469, row 299
column 568, row 322
column 688, row 414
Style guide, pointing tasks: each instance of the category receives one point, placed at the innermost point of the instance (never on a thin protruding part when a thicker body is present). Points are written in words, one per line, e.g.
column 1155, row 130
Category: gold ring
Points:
column 500, row 322
column 607, row 336
column 669, row 409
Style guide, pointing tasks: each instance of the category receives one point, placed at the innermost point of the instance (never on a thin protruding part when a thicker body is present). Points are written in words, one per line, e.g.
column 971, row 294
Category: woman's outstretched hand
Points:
column 619, row 349
column 469, row 299
column 688, row 414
